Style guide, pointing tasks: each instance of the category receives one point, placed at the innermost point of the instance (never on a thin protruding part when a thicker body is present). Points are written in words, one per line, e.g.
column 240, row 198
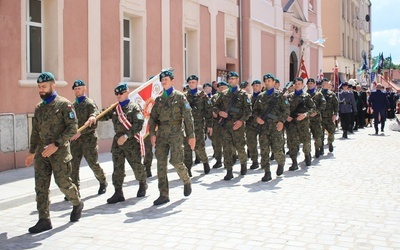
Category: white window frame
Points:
column 127, row 39
column 28, row 52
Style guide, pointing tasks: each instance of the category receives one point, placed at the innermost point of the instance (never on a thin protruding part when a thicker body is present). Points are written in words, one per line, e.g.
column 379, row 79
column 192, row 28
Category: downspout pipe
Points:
column 14, row 137
column 240, row 40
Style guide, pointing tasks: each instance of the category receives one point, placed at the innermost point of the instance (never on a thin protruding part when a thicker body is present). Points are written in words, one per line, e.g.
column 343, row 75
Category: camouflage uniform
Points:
column 216, row 138
column 252, row 134
column 270, row 137
column 86, row 144
column 234, row 139
column 172, row 114
column 299, row 131
column 331, row 109
column 315, row 122
column 54, row 122
column 148, row 157
column 202, row 116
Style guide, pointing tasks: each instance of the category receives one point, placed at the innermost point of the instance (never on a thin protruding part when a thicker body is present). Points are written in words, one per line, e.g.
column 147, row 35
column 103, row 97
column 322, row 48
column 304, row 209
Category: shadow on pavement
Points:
column 262, row 186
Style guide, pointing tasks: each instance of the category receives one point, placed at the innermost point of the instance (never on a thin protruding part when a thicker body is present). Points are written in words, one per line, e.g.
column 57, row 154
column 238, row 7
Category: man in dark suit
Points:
column 380, row 104
column 362, row 99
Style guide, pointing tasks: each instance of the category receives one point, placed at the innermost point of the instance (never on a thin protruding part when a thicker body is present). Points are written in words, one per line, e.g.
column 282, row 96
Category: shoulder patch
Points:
column 247, row 100
column 187, row 105
column 139, row 116
column 286, row 102
column 71, row 114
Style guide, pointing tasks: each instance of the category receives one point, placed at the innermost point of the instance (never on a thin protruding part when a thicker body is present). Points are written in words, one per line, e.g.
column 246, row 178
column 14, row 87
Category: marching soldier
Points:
column 85, row 143
column 128, row 120
column 270, row 112
column 234, row 108
column 172, row 114
column 329, row 115
column 301, row 106
column 347, row 106
column 53, row 125
column 315, row 118
column 202, row 115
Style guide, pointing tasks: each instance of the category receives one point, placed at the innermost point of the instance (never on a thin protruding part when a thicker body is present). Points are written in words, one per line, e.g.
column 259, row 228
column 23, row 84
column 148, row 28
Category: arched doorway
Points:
column 294, row 66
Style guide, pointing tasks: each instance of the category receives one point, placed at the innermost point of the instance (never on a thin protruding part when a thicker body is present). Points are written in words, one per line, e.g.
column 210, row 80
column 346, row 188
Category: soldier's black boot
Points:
column 142, row 189
column 279, row 170
column 254, row 165
column 229, row 175
column 330, row 147
column 344, row 134
column 308, row 159
column 102, row 188
column 161, row 200
column 294, row 166
column 196, row 161
column 317, row 152
column 206, row 167
column 243, row 168
column 41, row 225
column 76, row 212
column 117, row 196
column 187, row 189
column 218, row 164
column 267, row 176
column 321, row 150
column 148, row 171
column 189, row 171
column 272, row 157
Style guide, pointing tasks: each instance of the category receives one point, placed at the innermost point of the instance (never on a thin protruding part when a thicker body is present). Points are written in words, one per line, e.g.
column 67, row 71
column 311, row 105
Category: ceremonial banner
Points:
column 302, row 71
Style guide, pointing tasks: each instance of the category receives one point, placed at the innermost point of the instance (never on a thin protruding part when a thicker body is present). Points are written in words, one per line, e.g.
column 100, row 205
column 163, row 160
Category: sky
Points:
column 385, row 28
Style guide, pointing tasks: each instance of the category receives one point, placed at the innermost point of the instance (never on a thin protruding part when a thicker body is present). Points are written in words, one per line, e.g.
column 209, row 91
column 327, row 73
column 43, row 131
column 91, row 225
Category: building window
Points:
column 230, row 48
column 34, row 27
column 127, row 48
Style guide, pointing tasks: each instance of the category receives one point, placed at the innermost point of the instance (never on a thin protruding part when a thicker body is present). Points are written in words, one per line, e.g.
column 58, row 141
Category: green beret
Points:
column 151, row 77
column 192, row 77
column 222, row 83
column 232, row 74
column 122, row 87
column 166, row 73
column 244, row 84
column 277, row 80
column 207, row 84
column 267, row 76
column 255, row 82
column 325, row 80
column 298, row 79
column 311, row 80
column 78, row 83
column 45, row 77
column 288, row 85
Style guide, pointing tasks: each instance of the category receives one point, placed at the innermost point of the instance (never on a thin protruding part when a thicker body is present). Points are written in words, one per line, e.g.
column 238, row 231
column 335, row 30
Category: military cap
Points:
column 277, row 80
column 151, row 77
column 244, row 84
column 185, row 86
column 78, row 83
column 267, row 76
column 352, row 82
column 192, row 77
column 311, row 80
column 45, row 77
column 122, row 87
column 345, row 84
column 222, row 83
column 318, row 82
column 255, row 82
column 207, row 84
column 288, row 85
column 298, row 79
column 325, row 79
column 166, row 73
column 232, row 74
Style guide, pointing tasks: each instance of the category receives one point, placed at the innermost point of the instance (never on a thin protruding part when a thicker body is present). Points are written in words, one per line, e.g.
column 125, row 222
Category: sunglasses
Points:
column 120, row 93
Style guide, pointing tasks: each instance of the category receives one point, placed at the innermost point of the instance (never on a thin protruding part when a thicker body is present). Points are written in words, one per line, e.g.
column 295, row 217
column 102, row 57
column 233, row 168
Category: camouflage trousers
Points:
column 44, row 167
column 316, row 131
column 130, row 151
column 233, row 140
column 328, row 125
column 200, row 148
column 271, row 140
column 297, row 133
column 163, row 147
column 252, row 141
column 216, row 140
column 148, row 157
column 86, row 146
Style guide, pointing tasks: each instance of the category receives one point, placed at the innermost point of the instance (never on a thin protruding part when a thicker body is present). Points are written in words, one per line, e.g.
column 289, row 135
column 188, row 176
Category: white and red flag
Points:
column 302, row 70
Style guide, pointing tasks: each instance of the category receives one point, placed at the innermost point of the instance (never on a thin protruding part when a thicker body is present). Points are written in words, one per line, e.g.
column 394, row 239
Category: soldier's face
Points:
column 233, row 81
column 193, row 84
column 277, row 85
column 256, row 88
column 167, row 82
column 80, row 91
column 208, row 89
column 123, row 96
column 269, row 83
column 311, row 85
column 222, row 88
column 46, row 89
column 298, row 85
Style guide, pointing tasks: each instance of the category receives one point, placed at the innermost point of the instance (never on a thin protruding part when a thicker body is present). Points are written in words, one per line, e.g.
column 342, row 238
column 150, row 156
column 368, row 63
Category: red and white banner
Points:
column 303, row 71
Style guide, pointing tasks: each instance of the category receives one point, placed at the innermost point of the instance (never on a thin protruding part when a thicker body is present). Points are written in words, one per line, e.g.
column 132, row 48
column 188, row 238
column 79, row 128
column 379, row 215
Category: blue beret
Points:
column 222, row 83
column 311, row 80
column 267, row 76
column 78, row 83
column 166, row 73
column 192, row 77
column 207, row 84
column 121, row 88
column 277, row 80
column 255, row 82
column 45, row 77
column 298, row 79
column 232, row 74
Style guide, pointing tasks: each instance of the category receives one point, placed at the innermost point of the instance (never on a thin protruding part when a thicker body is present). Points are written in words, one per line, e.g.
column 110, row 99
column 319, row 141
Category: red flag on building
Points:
column 302, row 70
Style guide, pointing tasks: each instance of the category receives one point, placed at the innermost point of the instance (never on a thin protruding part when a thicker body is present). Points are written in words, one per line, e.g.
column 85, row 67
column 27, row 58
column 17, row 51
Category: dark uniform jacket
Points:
column 379, row 100
column 300, row 104
column 332, row 105
column 201, row 108
column 347, row 104
column 272, row 108
column 320, row 104
column 84, row 110
column 238, row 103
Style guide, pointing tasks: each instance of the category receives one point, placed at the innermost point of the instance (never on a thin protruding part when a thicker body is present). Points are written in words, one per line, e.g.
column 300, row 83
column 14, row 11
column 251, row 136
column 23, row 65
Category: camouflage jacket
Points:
column 84, row 110
column 332, row 104
column 241, row 110
column 201, row 108
column 53, row 122
column 277, row 113
column 300, row 104
column 320, row 104
column 172, row 115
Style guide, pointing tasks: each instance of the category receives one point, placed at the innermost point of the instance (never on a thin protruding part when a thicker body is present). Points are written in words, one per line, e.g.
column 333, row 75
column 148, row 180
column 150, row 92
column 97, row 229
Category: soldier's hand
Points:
column 49, row 150
column 237, row 124
column 313, row 114
column 122, row 139
column 29, row 159
column 215, row 115
column 209, row 131
column 289, row 119
column 223, row 114
column 76, row 136
column 301, row 117
column 192, row 143
column 260, row 121
column 334, row 118
column 153, row 140
column 279, row 126
column 91, row 121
